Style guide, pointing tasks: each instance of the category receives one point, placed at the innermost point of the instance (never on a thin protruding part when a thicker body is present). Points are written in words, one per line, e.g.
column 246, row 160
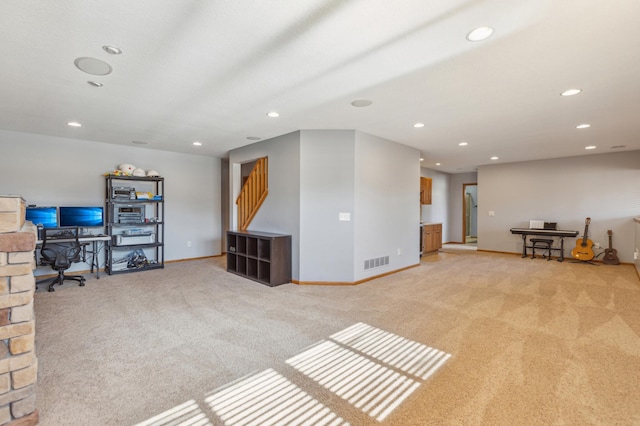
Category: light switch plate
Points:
column 345, row 217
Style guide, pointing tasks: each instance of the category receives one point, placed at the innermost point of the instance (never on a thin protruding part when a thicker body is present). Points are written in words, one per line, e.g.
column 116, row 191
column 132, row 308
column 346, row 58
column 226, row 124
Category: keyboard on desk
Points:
column 62, row 235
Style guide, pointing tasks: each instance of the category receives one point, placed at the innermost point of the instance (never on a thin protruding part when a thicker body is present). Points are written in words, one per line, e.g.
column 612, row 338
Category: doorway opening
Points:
column 470, row 213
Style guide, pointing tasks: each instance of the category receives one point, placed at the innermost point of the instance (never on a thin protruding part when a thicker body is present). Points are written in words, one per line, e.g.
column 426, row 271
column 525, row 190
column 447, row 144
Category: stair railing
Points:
column 253, row 193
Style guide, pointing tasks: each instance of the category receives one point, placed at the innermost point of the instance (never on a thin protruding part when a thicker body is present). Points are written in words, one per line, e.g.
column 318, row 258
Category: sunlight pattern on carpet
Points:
column 364, row 366
column 185, row 414
column 407, row 355
column 368, row 386
column 371, row 369
column 268, row 398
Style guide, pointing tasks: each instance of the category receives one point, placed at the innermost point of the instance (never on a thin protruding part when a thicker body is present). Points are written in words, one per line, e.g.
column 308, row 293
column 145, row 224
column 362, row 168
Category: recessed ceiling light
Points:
column 196, row 143
column 112, row 50
column 480, row 33
column 583, row 126
column 74, row 124
column 253, row 138
column 422, row 159
column 590, row 147
column 93, row 66
column 273, row 114
column 418, row 125
column 494, row 158
column 95, row 83
column 437, row 164
column 463, row 144
column 570, row 92
column 361, row 103
column 139, row 142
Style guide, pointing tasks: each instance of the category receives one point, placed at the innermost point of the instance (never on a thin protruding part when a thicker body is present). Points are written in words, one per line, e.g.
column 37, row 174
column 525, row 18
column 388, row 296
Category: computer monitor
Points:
column 47, row 217
column 82, row 216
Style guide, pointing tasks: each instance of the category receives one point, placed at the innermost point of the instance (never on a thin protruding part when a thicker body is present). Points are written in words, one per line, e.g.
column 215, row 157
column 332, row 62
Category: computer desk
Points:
column 98, row 242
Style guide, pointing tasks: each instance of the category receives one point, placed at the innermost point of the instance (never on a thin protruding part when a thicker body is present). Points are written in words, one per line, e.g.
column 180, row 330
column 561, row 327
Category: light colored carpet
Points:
column 484, row 339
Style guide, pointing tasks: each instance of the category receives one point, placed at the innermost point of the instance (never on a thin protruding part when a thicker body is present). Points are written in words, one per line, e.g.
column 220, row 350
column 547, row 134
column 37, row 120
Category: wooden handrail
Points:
column 253, row 193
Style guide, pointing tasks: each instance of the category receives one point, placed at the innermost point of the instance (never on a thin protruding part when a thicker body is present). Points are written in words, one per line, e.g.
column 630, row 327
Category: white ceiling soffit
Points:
column 211, row 70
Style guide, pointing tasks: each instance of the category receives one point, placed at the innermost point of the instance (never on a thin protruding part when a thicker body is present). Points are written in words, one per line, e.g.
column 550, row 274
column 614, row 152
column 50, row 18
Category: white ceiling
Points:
column 211, row 70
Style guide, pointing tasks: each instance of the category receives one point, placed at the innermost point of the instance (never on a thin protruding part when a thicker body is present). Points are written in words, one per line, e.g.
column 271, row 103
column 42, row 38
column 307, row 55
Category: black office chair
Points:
column 60, row 248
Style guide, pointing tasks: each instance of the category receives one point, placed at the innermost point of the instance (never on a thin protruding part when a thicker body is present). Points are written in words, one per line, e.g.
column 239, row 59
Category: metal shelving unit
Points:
column 135, row 223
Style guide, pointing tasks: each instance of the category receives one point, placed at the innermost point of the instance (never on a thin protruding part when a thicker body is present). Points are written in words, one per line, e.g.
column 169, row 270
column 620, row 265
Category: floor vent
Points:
column 376, row 263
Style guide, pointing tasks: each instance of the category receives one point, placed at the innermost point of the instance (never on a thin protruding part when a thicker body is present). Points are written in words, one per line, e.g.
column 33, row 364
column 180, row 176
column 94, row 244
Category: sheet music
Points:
column 536, row 224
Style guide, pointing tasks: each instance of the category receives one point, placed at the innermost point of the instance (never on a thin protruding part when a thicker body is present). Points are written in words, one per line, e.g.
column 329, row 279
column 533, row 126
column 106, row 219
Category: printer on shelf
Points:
column 128, row 213
column 125, row 239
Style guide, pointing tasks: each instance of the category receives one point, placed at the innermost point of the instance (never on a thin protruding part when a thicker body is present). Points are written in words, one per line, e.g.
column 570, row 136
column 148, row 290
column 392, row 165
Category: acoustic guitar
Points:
column 610, row 254
column 583, row 249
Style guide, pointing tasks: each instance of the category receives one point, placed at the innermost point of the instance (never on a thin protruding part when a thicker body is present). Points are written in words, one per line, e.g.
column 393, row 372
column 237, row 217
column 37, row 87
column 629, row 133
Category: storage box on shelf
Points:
column 135, row 222
column 260, row 256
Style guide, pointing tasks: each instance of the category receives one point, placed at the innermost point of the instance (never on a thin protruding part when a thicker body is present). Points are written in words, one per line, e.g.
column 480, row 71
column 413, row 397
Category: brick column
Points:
column 18, row 362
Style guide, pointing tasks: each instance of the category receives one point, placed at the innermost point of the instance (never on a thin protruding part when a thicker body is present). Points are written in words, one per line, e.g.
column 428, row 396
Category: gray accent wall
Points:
column 387, row 204
column 314, row 176
column 327, row 180
column 280, row 212
column 604, row 187
column 55, row 171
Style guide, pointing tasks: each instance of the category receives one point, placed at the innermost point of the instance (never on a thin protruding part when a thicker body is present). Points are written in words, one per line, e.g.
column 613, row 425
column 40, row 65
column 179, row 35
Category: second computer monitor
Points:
column 82, row 216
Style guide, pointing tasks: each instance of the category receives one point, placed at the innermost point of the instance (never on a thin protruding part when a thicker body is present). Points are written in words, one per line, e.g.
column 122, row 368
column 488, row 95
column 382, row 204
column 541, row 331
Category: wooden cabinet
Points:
column 431, row 237
column 425, row 190
column 260, row 256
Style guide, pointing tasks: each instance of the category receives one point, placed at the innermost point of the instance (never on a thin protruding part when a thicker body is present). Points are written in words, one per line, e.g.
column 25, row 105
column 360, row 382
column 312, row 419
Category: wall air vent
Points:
column 376, row 262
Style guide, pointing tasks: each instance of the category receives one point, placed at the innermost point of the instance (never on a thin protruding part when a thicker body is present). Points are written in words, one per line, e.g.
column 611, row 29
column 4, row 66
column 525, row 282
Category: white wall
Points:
column 47, row 170
column 387, row 208
column 604, row 187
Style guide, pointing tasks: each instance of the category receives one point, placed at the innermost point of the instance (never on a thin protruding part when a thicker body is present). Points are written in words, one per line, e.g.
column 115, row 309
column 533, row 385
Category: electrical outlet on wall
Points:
column 596, row 245
column 344, row 216
column 188, row 243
